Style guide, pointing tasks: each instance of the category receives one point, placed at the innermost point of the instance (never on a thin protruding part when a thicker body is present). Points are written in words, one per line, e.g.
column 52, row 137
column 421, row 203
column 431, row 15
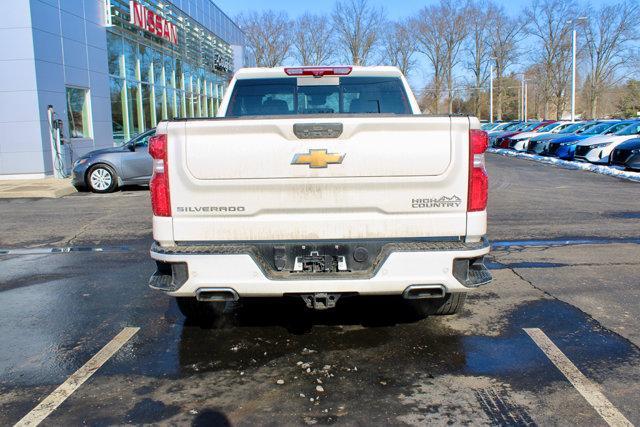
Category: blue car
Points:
column 565, row 147
column 549, row 148
column 540, row 144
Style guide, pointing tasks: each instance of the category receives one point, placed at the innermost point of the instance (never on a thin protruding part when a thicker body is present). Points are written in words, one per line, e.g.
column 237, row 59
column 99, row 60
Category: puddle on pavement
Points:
column 624, row 215
column 513, row 353
column 377, row 336
column 502, row 245
column 491, row 265
column 389, row 347
column 375, row 348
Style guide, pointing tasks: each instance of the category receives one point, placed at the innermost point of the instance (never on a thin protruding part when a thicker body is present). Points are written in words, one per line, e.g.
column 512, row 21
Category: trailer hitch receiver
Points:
column 320, row 300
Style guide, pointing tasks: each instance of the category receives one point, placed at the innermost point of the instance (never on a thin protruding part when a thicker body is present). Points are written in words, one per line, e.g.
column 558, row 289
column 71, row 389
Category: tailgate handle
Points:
column 317, row 130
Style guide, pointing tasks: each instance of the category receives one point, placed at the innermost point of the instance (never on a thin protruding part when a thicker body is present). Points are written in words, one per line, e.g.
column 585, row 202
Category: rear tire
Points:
column 451, row 304
column 204, row 313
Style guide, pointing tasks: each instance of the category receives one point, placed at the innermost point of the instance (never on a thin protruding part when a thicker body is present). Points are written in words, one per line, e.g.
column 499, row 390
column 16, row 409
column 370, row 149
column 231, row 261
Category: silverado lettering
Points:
column 196, row 209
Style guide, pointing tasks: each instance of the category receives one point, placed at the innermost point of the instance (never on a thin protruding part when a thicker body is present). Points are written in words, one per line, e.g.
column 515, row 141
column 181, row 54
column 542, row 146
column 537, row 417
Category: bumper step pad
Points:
column 478, row 275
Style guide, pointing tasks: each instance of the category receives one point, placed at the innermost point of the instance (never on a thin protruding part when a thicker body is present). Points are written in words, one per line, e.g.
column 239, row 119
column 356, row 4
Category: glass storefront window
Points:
column 214, row 91
column 179, row 71
column 146, row 59
column 204, row 101
column 180, row 81
column 114, row 45
column 169, row 68
column 171, row 106
column 78, row 112
column 117, row 108
column 148, row 107
column 158, row 74
column 180, row 105
column 196, row 97
column 190, row 106
column 186, row 72
column 134, row 116
column 161, row 108
column 184, row 112
column 130, row 59
column 154, row 80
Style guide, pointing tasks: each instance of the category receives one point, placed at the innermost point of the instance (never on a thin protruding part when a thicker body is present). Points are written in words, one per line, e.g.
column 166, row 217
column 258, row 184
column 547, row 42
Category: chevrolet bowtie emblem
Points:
column 317, row 159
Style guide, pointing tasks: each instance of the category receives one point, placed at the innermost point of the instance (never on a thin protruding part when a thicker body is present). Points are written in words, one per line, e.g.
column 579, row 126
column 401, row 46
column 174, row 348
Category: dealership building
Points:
column 78, row 75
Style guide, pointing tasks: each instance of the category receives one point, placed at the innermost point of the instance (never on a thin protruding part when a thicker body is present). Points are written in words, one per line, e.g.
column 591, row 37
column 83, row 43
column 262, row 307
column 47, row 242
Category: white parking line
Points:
column 586, row 388
column 63, row 250
column 60, row 394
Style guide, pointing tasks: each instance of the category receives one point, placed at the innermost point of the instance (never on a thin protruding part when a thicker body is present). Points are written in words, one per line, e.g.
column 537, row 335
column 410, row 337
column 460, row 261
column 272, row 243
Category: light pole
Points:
column 491, row 93
column 525, row 101
column 523, row 97
column 524, row 119
column 573, row 65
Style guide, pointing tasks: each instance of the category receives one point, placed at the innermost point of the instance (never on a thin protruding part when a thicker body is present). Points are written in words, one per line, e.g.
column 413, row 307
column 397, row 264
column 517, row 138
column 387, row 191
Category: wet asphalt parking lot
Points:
column 566, row 271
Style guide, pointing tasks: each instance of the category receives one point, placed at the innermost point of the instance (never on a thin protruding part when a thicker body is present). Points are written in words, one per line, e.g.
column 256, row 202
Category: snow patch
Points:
column 600, row 169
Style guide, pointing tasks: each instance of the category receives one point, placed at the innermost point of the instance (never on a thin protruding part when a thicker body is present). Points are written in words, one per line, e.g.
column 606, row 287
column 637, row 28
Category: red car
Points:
column 503, row 141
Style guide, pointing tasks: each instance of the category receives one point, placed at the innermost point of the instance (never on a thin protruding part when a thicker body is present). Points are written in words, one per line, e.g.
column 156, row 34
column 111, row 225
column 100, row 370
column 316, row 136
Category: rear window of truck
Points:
column 346, row 95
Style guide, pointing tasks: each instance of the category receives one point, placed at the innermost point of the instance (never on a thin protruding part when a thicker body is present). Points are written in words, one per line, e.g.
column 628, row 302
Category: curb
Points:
column 37, row 194
column 35, row 189
column 565, row 164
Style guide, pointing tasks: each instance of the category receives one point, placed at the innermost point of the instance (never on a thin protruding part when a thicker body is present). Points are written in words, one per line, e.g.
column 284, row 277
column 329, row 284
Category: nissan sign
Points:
column 152, row 22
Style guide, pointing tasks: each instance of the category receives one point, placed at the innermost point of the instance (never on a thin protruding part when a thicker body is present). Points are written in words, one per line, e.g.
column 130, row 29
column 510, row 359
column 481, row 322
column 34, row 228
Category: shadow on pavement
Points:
column 291, row 313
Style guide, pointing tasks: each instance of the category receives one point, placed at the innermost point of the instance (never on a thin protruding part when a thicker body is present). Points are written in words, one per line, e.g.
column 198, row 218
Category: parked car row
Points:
column 612, row 142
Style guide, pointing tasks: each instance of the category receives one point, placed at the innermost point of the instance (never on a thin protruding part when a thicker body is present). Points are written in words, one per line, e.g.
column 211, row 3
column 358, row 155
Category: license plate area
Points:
column 324, row 259
column 317, row 263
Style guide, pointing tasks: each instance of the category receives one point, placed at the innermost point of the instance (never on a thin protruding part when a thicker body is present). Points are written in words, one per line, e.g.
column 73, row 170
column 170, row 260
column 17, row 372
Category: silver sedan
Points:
column 103, row 171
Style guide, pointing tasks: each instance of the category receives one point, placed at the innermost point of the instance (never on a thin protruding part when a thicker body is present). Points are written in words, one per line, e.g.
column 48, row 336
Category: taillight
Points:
column 159, row 184
column 318, row 71
column 478, row 179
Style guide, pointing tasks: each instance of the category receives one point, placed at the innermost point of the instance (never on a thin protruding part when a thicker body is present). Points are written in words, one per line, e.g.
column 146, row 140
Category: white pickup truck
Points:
column 319, row 183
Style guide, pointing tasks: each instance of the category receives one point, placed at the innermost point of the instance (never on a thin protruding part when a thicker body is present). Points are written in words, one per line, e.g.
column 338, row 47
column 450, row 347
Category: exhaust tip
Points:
column 424, row 291
column 216, row 295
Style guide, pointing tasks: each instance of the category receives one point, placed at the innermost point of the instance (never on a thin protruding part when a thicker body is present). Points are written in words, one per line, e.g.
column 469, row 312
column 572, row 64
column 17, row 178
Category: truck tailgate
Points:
column 345, row 178
column 373, row 147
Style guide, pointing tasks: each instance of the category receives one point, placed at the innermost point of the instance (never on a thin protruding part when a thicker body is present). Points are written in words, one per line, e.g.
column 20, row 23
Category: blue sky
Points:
column 400, row 8
column 395, row 10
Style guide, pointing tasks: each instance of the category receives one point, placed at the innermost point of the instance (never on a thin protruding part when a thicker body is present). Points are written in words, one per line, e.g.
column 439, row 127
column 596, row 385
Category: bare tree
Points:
column 561, row 77
column 313, row 40
column 400, row 47
column 430, row 31
column 547, row 24
column 358, row 25
column 478, row 50
column 503, row 41
column 629, row 104
column 609, row 35
column 455, row 16
column 269, row 36
column 440, row 31
column 534, row 74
